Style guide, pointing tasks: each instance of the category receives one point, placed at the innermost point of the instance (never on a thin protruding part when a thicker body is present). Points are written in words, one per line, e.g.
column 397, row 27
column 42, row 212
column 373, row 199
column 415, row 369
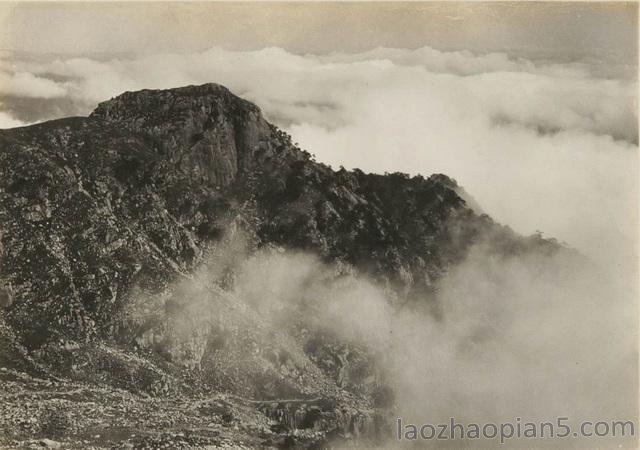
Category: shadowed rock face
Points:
column 95, row 210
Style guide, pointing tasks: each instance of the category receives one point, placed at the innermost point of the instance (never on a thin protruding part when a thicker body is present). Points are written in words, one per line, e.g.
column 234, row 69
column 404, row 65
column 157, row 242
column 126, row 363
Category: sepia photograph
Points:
column 319, row 225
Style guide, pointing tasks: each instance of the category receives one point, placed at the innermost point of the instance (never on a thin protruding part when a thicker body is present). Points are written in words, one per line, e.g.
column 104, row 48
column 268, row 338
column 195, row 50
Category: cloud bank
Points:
column 541, row 144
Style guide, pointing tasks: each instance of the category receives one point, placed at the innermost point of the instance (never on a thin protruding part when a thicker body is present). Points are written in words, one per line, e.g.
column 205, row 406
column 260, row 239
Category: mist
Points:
column 533, row 337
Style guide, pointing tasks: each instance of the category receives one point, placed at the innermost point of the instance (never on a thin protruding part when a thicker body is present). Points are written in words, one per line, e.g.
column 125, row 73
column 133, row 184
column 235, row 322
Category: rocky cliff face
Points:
column 203, row 132
column 102, row 217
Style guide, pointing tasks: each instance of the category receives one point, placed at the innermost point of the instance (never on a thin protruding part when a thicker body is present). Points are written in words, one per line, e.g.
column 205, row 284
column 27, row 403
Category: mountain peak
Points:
column 204, row 131
column 106, row 221
column 138, row 192
column 169, row 103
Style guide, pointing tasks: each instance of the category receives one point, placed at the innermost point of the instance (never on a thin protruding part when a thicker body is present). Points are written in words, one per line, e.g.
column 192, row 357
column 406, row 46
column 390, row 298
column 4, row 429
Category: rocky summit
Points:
column 126, row 316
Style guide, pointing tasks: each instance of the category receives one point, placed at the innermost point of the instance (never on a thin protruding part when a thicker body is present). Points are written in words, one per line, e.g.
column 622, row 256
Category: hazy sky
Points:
column 547, row 27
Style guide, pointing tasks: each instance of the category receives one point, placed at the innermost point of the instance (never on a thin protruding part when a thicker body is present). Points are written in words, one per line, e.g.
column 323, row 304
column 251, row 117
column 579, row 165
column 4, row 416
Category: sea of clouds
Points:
column 541, row 144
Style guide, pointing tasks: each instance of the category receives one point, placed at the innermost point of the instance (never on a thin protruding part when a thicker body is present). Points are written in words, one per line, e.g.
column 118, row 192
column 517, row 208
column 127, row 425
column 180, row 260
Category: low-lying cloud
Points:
column 25, row 84
column 529, row 336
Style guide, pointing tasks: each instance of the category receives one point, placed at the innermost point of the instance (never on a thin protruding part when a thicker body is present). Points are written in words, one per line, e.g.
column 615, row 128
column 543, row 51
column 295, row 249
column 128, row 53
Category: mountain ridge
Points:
column 108, row 219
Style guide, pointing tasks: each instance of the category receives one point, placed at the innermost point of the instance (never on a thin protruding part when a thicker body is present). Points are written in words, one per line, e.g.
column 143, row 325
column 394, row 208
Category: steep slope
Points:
column 107, row 221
